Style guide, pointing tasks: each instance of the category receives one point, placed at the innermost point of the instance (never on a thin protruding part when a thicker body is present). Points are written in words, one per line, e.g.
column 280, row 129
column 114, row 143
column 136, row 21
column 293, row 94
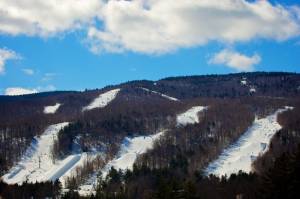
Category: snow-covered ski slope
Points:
column 253, row 142
column 37, row 164
column 51, row 109
column 190, row 116
column 161, row 94
column 102, row 100
column 130, row 149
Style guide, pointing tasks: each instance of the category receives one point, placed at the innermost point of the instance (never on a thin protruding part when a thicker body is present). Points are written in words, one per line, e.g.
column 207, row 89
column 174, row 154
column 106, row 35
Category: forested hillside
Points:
column 101, row 121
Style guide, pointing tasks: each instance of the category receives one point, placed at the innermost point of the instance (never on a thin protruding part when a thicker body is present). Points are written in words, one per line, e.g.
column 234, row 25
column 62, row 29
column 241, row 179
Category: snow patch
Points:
column 190, row 116
column 251, row 144
column 243, row 82
column 51, row 109
column 102, row 100
column 252, row 90
column 161, row 94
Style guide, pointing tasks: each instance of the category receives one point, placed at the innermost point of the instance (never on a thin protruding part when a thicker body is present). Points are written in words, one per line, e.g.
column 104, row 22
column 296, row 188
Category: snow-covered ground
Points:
column 190, row 116
column 130, row 149
column 243, row 82
column 253, row 142
column 252, row 90
column 161, row 94
column 81, row 158
column 51, row 109
column 102, row 100
column 37, row 164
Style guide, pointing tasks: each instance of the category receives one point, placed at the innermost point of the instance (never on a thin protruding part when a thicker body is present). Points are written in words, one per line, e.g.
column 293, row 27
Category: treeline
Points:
column 229, row 86
column 280, row 181
column 31, row 190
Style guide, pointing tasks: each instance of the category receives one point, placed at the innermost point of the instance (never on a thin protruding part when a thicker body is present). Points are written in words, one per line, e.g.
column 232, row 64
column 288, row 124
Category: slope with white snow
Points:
column 51, row 109
column 130, row 149
column 252, row 143
column 161, row 94
column 102, row 100
column 190, row 116
column 37, row 164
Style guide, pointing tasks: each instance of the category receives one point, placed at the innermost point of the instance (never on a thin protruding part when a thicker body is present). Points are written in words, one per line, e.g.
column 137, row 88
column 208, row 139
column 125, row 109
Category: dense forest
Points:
column 174, row 167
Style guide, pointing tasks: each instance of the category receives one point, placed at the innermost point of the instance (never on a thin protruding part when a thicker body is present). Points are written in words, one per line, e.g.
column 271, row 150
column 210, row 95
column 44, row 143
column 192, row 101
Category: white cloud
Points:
column 161, row 26
column 235, row 60
column 44, row 18
column 151, row 26
column 25, row 91
column 19, row 91
column 5, row 55
column 28, row 71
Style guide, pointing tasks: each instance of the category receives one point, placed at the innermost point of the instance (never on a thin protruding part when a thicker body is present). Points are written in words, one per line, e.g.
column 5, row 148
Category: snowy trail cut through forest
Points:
column 102, row 100
column 51, row 109
column 37, row 163
column 161, row 94
column 190, row 116
column 130, row 149
column 252, row 143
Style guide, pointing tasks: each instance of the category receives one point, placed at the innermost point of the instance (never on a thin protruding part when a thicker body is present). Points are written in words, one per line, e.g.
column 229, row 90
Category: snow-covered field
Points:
column 161, row 94
column 253, row 142
column 102, row 100
column 37, row 164
column 51, row 109
column 130, row 149
column 190, row 116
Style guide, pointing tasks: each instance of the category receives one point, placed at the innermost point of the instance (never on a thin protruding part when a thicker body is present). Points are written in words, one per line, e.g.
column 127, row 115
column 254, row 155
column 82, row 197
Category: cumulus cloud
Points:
column 19, row 91
column 160, row 26
column 28, row 71
column 25, row 91
column 5, row 55
column 44, row 18
column 235, row 60
column 151, row 26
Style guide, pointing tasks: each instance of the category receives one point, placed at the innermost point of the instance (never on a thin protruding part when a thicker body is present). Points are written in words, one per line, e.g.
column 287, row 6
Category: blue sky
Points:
column 68, row 56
